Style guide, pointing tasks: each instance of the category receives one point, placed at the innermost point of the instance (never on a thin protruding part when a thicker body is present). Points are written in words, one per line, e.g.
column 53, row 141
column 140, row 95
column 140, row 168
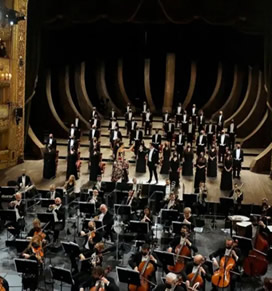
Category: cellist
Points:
column 228, row 250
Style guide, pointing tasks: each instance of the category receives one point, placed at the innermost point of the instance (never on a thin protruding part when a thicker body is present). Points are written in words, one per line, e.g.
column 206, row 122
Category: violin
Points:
column 181, row 251
column 39, row 254
column 99, row 284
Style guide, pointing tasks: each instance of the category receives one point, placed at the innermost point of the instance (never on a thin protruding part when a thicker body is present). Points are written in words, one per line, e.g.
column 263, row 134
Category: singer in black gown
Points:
column 187, row 166
column 226, row 178
column 141, row 160
column 49, row 165
column 212, row 163
column 95, row 169
column 71, row 165
column 166, row 159
column 200, row 175
column 174, row 169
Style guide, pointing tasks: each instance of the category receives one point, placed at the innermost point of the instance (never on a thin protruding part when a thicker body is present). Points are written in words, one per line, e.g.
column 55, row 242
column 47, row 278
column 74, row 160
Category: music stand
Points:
column 26, row 266
column 83, row 196
column 8, row 215
column 177, row 225
column 128, row 276
column 45, row 202
column 120, row 209
column 166, row 258
column 139, row 226
column 189, row 199
column 62, row 275
column 86, row 207
column 123, row 186
column 71, row 249
column 45, row 217
column 226, row 204
column 21, row 245
column 169, row 214
column 245, row 244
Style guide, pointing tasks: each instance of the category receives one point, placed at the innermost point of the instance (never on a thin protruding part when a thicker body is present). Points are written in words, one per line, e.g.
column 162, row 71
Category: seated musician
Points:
column 98, row 185
column 266, row 209
column 146, row 216
column 141, row 257
column 259, row 225
column 52, row 193
column 24, row 180
column 4, row 284
column 107, row 220
column 36, row 230
column 91, row 237
column 188, row 218
column 172, row 202
column 171, row 283
column 69, row 187
column 229, row 249
column 167, row 189
column 131, row 200
column 197, row 266
column 59, row 217
column 19, row 206
column 267, row 285
column 95, row 199
column 237, row 194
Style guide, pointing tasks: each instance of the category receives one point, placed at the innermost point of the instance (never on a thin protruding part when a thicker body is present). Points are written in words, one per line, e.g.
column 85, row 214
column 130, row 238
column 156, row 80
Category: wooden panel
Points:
column 261, row 163
column 69, row 98
column 208, row 107
column 255, row 114
column 147, row 86
column 83, row 100
column 169, row 82
column 248, row 100
column 101, row 86
column 51, row 104
column 192, row 85
column 235, row 94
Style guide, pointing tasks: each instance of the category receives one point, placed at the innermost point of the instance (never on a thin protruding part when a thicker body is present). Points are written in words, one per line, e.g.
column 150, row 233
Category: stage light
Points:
column 11, row 23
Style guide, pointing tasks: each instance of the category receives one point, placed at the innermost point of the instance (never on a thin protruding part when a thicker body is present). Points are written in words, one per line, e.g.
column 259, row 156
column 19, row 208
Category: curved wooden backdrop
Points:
column 217, row 92
column 101, row 86
column 255, row 114
column 248, row 101
column 69, row 97
column 147, row 86
column 121, row 86
column 258, row 138
column 231, row 103
column 169, row 82
column 192, row 85
column 51, row 103
column 84, row 102
column 38, row 146
column 261, row 163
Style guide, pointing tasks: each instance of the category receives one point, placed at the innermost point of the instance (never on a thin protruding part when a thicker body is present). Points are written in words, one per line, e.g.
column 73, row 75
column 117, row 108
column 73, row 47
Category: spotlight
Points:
column 11, row 23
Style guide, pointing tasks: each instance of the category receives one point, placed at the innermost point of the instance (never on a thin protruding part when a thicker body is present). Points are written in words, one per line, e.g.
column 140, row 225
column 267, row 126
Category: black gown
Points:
column 141, row 161
column 49, row 165
column 187, row 166
column 200, row 175
column 174, row 174
column 166, row 161
column 71, row 165
column 226, row 178
column 212, row 164
column 94, row 168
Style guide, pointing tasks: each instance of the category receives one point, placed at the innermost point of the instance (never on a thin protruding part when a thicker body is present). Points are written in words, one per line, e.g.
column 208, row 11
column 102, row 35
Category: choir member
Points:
column 187, row 165
column 201, row 121
column 148, row 119
column 238, row 158
column 49, row 163
column 94, row 146
column 166, row 153
column 156, row 139
column 141, row 159
column 152, row 162
column 190, row 131
column 128, row 120
column 53, row 193
column 113, row 125
column 174, row 170
column 212, row 162
column 94, row 113
column 232, row 134
column 170, row 128
column 114, row 136
column 137, row 139
column 193, row 113
column 210, row 130
column 72, row 160
column 171, row 283
column 179, row 143
column 113, row 114
column 200, row 175
column 201, row 142
column 165, row 118
column 94, row 133
column 178, row 115
column 223, row 142
column 132, row 130
column 184, row 120
column 24, row 180
column 187, row 218
column 128, row 108
column 74, row 132
column 226, row 178
column 51, row 142
column 95, row 122
column 94, row 165
column 220, row 122
column 144, row 112
column 77, row 123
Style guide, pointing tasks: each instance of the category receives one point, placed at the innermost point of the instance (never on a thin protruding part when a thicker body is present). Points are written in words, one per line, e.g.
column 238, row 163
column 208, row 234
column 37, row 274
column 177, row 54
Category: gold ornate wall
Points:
column 12, row 90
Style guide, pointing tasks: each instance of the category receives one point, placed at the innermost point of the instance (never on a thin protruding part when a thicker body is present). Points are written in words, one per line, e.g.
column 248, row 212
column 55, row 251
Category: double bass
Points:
column 181, row 251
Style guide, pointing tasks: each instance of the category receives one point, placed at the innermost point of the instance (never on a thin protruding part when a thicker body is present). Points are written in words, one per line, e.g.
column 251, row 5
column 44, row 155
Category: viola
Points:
column 100, row 285
column 40, row 234
column 181, row 251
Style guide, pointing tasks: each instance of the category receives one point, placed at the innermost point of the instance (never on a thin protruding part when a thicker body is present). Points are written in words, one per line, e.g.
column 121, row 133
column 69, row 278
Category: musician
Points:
column 178, row 115
column 72, row 144
column 232, row 133
column 36, row 230
column 19, row 206
column 148, row 119
column 190, row 131
column 171, row 284
column 113, row 114
column 24, row 180
column 74, row 132
column 201, row 198
column 3, row 282
column 132, row 129
column 267, row 285
column 52, row 193
column 165, row 118
column 156, row 139
column 193, row 113
column 184, row 120
column 144, row 112
column 201, row 142
column 49, row 162
column 51, row 142
column 188, row 218
column 223, row 142
column 197, row 265
column 169, row 129
column 95, row 122
column 152, row 162
column 72, row 160
column 94, row 113
column 128, row 119
column 94, row 133
column 174, row 169
column 77, row 122
column 210, row 130
column 59, row 217
column 235, row 253
column 131, row 200
column 113, row 124
column 266, row 209
column 168, row 189
column 201, row 121
column 115, row 135
column 146, row 216
column 238, row 158
column 137, row 139
column 179, row 143
column 172, row 202
column 237, row 194
column 95, row 199
column 107, row 220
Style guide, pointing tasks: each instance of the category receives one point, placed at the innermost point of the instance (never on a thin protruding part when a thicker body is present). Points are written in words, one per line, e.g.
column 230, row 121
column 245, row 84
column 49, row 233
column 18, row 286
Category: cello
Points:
column 221, row 277
column 181, row 251
column 195, row 279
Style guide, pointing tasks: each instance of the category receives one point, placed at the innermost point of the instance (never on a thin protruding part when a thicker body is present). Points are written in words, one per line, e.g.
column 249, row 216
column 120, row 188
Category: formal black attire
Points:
column 200, row 175
column 137, row 140
column 232, row 134
column 212, row 164
column 187, row 166
column 220, row 123
column 108, row 221
column 162, row 287
column 19, row 224
column 156, row 140
column 180, row 142
column 191, row 219
column 184, row 121
column 153, row 159
column 94, row 133
column 166, row 160
column 74, row 133
column 72, row 165
column 226, row 178
column 141, row 161
column 132, row 129
column 176, row 241
column 238, row 158
column 94, row 146
column 114, row 135
column 201, row 143
column 148, row 122
column 169, row 129
column 49, row 164
column 113, row 124
column 210, row 131
column 223, row 142
column 95, row 169
column 190, row 132
column 201, row 122
column 54, row 195
column 27, row 180
column 174, row 170
column 165, row 118
column 95, row 122
column 51, row 143
column 178, row 115
column 72, row 144
column 113, row 115
column 58, row 224
column 128, row 119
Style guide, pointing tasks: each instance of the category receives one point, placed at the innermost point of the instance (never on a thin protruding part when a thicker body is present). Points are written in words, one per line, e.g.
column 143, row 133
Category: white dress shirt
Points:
column 150, row 155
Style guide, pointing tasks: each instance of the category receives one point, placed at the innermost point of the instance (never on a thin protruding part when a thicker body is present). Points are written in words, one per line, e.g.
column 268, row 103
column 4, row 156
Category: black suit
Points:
column 60, row 224
column 169, row 129
column 165, row 118
column 201, row 147
column 132, row 130
column 222, row 147
column 210, row 131
column 19, row 224
column 237, row 163
column 73, row 144
column 180, row 142
column 57, row 194
column 232, row 134
column 119, row 136
column 189, row 269
column 137, row 141
column 201, row 123
column 27, row 181
column 148, row 123
column 152, row 162
column 111, row 127
column 220, row 123
column 108, row 221
column 156, row 140
column 94, row 134
column 190, row 132
column 53, row 144
column 113, row 115
column 97, row 124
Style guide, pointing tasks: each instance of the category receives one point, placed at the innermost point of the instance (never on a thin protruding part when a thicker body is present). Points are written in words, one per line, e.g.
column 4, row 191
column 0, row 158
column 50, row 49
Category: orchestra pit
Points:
column 135, row 145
